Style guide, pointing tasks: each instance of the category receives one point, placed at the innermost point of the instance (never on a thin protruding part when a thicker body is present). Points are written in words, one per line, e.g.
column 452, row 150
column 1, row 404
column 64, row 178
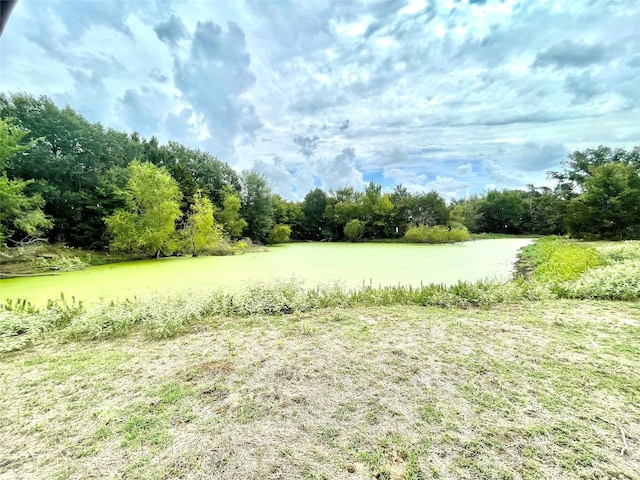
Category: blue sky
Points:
column 456, row 96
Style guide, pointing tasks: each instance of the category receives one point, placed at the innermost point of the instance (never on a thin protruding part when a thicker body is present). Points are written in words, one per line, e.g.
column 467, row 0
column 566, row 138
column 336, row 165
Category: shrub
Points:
column 21, row 322
column 279, row 234
column 354, row 230
column 222, row 248
column 59, row 264
column 240, row 247
column 18, row 330
column 436, row 234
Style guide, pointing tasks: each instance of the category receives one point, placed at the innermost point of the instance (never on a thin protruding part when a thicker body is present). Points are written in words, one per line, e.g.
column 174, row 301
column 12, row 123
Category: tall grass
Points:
column 162, row 316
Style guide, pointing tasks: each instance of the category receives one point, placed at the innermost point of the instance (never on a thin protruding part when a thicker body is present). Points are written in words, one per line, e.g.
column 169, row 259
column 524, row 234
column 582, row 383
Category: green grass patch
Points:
column 557, row 260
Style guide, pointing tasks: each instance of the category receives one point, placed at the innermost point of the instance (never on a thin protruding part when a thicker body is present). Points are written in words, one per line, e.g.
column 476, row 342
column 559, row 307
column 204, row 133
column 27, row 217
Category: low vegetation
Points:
column 526, row 390
column 436, row 234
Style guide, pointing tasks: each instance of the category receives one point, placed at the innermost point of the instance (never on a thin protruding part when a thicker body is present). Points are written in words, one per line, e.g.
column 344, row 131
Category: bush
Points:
column 59, row 264
column 279, row 234
column 354, row 230
column 241, row 246
column 436, row 234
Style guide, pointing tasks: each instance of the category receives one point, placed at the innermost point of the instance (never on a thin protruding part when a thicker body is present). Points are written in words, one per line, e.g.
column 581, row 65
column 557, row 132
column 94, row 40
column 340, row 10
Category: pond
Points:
column 352, row 265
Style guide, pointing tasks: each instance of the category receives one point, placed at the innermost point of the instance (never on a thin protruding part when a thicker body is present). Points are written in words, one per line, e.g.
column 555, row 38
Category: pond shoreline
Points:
column 312, row 264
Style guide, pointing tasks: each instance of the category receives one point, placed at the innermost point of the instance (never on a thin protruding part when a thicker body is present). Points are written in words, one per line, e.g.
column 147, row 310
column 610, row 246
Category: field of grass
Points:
column 531, row 390
column 528, row 379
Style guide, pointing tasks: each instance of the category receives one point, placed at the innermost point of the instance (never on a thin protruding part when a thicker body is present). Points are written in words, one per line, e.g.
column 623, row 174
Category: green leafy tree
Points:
column 257, row 205
column 313, row 207
column 609, row 206
column 376, row 210
column 354, row 230
column 580, row 166
column 148, row 224
column 21, row 215
column 545, row 212
column 503, row 212
column 429, row 209
column 467, row 212
column 200, row 231
column 193, row 170
column 66, row 165
column 279, row 234
column 343, row 205
column 399, row 215
column 229, row 214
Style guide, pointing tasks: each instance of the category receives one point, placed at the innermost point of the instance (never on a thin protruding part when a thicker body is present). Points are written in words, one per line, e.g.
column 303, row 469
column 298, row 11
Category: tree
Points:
column 580, row 164
column 375, row 210
column 20, row 214
column 66, row 164
column 467, row 211
column 194, row 170
column 257, row 205
column 343, row 205
column 609, row 206
column 313, row 207
column 399, row 215
column 429, row 209
column 502, row 212
column 544, row 212
column 200, row 230
column 354, row 230
column 148, row 224
column 229, row 214
column 279, row 234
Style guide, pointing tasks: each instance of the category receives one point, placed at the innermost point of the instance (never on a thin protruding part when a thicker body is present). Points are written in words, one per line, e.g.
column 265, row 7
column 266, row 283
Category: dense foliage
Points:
column 75, row 183
column 436, row 234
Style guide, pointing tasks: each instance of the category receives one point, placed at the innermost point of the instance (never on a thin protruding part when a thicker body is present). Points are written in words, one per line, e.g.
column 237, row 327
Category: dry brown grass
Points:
column 539, row 390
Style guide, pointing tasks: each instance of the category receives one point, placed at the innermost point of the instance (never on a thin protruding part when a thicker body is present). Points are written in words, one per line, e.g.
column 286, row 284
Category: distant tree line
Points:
column 85, row 185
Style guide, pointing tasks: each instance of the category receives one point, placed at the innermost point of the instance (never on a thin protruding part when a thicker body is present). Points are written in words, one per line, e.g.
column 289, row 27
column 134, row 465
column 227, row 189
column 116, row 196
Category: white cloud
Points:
column 465, row 170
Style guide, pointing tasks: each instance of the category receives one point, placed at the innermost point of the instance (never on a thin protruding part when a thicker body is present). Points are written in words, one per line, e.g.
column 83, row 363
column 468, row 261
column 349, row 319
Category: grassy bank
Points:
column 528, row 390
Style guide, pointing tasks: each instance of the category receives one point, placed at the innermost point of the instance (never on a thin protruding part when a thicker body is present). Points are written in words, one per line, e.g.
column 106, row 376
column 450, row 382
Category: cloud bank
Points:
column 457, row 96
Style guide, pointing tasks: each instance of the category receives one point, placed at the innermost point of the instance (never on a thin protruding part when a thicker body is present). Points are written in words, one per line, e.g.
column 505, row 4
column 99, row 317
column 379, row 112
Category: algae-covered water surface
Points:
column 351, row 265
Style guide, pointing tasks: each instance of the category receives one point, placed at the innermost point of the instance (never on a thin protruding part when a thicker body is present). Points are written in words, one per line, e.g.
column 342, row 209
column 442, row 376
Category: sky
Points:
column 455, row 96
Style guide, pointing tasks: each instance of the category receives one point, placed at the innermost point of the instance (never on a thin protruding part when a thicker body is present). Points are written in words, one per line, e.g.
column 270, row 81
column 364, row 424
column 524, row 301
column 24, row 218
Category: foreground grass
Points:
column 549, row 389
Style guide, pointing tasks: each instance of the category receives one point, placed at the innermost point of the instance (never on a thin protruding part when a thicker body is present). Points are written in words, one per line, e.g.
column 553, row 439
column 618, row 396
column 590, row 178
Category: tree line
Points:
column 85, row 185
